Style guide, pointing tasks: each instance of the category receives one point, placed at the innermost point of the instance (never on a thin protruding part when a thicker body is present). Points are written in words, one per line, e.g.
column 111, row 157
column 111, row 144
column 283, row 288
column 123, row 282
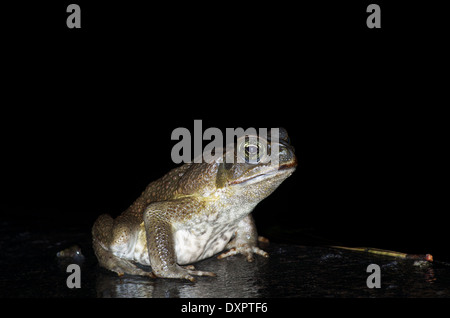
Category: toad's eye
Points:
column 253, row 152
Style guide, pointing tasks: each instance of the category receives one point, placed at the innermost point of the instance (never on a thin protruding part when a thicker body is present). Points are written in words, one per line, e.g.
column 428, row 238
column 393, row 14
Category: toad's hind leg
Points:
column 103, row 232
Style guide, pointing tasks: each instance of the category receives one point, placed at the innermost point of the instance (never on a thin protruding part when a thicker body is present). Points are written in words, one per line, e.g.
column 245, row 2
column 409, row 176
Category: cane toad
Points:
column 193, row 212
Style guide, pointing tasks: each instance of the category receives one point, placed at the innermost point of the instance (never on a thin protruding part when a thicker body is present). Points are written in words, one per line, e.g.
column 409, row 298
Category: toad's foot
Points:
column 245, row 250
column 183, row 272
column 191, row 270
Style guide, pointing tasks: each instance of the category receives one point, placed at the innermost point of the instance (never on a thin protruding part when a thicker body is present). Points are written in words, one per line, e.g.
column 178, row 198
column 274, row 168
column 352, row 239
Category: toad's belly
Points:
column 191, row 247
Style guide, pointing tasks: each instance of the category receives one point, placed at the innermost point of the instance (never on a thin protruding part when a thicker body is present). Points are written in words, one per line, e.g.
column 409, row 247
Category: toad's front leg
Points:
column 160, row 243
column 245, row 241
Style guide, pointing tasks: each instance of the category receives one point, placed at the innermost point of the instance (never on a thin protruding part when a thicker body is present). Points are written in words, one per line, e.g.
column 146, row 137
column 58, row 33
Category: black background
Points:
column 87, row 114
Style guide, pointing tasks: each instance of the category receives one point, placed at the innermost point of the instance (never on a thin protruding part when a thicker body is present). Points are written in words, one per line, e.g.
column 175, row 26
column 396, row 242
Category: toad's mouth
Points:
column 286, row 168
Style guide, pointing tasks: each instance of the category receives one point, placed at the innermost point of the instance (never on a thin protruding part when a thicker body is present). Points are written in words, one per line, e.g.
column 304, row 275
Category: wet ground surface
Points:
column 30, row 268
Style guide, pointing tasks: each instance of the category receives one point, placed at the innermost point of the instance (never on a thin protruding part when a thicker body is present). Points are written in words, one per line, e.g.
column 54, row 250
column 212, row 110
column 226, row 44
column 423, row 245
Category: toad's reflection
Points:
column 112, row 286
column 242, row 282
